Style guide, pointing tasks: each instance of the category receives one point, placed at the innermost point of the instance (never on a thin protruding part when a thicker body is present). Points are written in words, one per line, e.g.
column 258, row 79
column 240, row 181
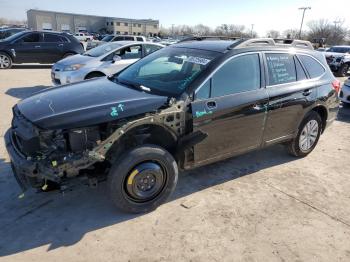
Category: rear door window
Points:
column 313, row 67
column 52, row 38
column 281, row 68
column 140, row 39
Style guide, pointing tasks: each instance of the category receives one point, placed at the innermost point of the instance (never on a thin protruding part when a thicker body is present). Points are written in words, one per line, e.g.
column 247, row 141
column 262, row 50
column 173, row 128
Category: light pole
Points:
column 251, row 31
column 302, row 19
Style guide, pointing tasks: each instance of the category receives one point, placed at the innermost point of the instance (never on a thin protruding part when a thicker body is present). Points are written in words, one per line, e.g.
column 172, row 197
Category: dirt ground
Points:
column 262, row 206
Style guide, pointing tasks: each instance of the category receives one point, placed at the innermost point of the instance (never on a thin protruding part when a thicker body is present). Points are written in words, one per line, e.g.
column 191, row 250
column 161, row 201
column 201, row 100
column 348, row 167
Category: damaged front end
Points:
column 40, row 156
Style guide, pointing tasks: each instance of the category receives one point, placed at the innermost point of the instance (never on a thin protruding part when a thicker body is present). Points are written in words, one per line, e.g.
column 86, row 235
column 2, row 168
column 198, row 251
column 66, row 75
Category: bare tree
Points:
column 273, row 34
column 5, row 21
column 329, row 33
column 291, row 33
column 201, row 29
column 230, row 30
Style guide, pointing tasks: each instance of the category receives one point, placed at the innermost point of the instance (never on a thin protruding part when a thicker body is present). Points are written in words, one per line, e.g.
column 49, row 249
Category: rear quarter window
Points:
column 313, row 67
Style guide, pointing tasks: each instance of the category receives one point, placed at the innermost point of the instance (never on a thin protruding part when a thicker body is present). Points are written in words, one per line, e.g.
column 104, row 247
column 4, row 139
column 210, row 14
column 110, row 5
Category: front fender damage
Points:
column 172, row 119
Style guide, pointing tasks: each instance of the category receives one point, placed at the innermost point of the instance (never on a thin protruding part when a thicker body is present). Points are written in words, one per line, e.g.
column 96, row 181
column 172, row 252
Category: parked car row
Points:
column 180, row 107
column 115, row 38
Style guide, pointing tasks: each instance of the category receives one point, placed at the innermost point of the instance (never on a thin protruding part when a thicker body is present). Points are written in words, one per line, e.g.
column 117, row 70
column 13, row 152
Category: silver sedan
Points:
column 103, row 60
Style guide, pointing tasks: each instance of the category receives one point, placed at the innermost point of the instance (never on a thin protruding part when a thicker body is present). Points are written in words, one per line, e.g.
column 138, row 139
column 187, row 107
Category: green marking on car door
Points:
column 203, row 113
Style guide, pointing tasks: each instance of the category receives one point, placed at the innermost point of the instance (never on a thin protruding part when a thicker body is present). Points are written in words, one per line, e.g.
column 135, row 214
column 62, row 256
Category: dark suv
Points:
column 184, row 106
column 37, row 47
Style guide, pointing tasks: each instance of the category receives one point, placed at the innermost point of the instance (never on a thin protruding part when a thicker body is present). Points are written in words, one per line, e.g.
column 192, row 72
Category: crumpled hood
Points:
column 76, row 59
column 86, row 103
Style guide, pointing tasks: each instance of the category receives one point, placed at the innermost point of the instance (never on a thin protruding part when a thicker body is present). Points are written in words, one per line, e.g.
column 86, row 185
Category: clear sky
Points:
column 265, row 15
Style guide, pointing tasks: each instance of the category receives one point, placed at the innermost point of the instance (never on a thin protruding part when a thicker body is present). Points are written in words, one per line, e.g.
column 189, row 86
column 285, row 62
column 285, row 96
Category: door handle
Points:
column 37, row 46
column 211, row 104
column 60, row 45
column 307, row 92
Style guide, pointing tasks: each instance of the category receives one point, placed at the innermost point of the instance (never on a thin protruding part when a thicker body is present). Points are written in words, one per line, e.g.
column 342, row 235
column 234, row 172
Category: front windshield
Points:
column 13, row 37
column 107, row 38
column 169, row 70
column 336, row 49
column 102, row 49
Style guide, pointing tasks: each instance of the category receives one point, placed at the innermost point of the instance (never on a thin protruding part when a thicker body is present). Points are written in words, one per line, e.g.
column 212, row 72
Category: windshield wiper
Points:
column 133, row 85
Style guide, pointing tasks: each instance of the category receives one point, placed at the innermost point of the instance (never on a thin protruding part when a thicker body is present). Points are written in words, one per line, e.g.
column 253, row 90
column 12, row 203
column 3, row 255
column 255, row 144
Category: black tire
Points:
column 127, row 175
column 343, row 70
column 5, row 61
column 94, row 75
column 294, row 146
column 68, row 54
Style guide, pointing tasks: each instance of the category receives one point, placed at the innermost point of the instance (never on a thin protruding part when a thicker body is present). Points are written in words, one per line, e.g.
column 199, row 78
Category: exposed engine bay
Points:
column 57, row 155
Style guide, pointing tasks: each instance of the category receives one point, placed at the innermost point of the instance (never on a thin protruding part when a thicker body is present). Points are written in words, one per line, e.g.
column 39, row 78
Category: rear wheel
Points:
column 68, row 54
column 142, row 179
column 308, row 135
column 5, row 61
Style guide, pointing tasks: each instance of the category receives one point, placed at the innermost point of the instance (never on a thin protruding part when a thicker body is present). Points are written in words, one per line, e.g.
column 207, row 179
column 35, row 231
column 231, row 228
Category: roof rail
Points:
column 256, row 42
column 201, row 38
column 274, row 42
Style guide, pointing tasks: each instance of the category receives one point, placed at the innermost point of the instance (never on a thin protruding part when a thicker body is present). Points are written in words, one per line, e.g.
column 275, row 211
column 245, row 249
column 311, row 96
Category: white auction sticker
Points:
column 198, row 60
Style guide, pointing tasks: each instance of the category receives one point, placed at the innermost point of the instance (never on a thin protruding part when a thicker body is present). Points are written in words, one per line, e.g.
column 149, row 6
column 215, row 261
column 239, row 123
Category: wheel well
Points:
column 322, row 111
column 94, row 73
column 9, row 54
column 144, row 134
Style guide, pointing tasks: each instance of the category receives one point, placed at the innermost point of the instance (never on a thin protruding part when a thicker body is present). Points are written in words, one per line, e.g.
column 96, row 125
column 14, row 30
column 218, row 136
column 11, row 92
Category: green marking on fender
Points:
column 114, row 112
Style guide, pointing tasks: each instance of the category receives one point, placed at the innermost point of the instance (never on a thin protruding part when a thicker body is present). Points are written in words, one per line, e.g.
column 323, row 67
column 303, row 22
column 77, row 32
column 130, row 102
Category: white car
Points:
column 114, row 38
column 345, row 92
column 104, row 60
column 83, row 37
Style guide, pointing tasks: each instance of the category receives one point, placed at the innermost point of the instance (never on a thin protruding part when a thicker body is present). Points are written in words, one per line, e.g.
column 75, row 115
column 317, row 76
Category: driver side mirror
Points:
column 116, row 58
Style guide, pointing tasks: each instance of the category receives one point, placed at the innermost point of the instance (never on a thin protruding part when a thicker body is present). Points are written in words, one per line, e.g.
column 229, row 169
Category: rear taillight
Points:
column 336, row 85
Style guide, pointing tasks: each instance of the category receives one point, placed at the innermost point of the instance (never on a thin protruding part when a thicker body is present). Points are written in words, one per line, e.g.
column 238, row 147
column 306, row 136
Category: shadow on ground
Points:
column 62, row 220
column 23, row 92
column 31, row 66
column 344, row 113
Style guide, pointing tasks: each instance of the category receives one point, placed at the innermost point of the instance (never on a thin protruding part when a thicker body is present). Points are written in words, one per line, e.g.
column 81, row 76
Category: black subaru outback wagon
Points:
column 184, row 106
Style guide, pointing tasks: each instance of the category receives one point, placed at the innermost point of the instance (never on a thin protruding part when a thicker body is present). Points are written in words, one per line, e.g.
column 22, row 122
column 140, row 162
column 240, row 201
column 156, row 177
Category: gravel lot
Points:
column 262, row 206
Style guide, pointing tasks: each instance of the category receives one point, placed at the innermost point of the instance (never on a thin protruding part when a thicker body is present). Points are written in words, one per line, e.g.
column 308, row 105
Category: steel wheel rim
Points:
column 145, row 181
column 4, row 61
column 308, row 135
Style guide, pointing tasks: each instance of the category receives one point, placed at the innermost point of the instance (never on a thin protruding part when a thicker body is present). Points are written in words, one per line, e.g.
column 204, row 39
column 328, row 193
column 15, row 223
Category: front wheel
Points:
column 5, row 61
column 308, row 135
column 142, row 179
